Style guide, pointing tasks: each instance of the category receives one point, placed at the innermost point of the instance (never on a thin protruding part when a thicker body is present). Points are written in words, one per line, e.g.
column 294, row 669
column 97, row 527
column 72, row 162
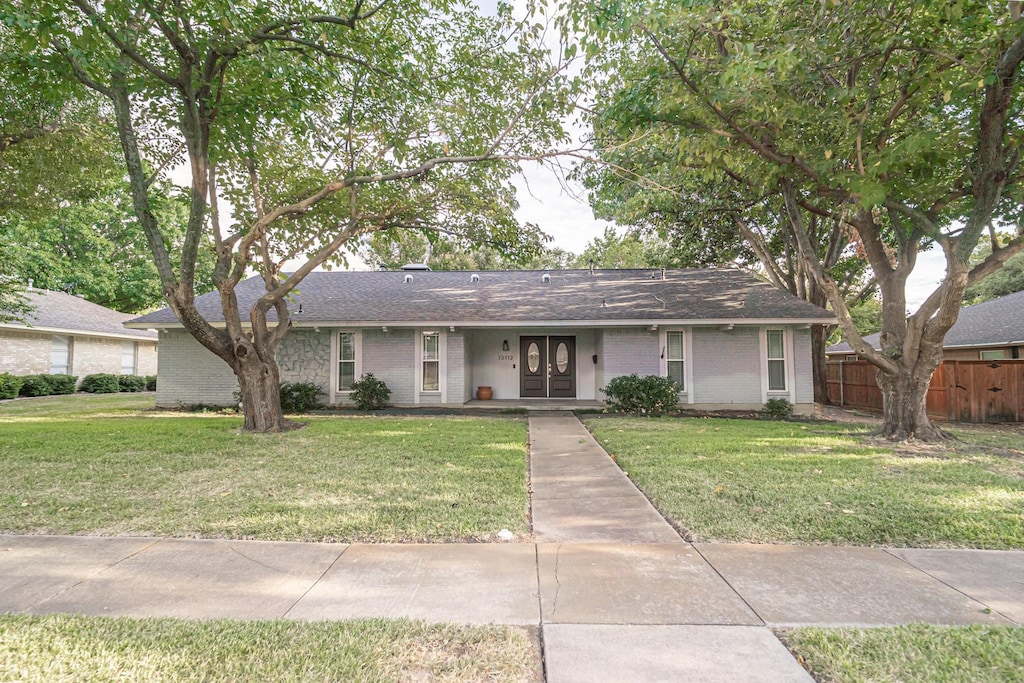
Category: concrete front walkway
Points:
column 614, row 601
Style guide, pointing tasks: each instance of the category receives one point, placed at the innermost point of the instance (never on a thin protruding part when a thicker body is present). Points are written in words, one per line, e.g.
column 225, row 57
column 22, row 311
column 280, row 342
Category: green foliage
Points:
column 631, row 250
column 10, row 385
column 1006, row 280
column 300, row 397
column 36, row 385
column 648, row 395
column 100, row 383
column 150, row 382
column 778, row 408
column 62, row 384
column 131, row 383
column 370, row 393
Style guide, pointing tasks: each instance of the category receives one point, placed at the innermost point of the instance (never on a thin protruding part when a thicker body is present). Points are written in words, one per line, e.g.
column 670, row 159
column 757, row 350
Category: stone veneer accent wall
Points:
column 305, row 356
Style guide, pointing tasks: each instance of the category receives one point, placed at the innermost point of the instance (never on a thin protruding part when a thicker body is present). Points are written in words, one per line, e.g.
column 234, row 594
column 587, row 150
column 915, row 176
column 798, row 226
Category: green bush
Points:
column 36, row 385
column 370, row 393
column 646, row 395
column 63, row 384
column 150, row 382
column 299, row 397
column 10, row 385
column 100, row 383
column 131, row 383
column 778, row 408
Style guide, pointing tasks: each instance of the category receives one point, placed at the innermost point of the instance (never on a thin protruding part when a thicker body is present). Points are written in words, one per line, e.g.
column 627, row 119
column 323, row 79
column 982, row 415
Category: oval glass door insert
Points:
column 562, row 357
column 533, row 357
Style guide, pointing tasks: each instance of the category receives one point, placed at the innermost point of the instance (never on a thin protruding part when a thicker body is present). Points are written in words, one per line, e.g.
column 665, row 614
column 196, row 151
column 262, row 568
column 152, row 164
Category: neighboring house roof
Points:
column 506, row 298
column 66, row 314
column 997, row 322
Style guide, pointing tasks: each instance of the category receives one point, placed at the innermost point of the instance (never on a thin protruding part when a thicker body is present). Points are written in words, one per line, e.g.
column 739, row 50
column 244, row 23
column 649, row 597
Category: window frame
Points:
column 68, row 350
column 339, row 394
column 1001, row 352
column 686, row 395
column 134, row 369
column 669, row 360
column 424, row 359
column 784, row 359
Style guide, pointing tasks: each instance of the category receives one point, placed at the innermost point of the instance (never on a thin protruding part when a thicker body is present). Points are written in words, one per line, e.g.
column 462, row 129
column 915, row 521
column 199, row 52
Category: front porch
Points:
column 536, row 404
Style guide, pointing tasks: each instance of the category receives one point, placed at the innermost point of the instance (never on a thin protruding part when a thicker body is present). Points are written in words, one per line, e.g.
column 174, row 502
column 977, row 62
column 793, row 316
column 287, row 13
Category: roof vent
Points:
column 415, row 266
column 408, row 278
column 546, row 277
column 474, row 278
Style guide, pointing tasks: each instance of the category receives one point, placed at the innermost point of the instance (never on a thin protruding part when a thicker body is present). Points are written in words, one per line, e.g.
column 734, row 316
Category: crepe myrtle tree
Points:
column 900, row 120
column 304, row 126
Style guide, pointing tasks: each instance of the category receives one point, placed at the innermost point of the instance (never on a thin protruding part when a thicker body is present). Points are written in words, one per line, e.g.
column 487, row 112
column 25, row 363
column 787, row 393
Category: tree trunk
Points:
column 819, row 371
column 904, row 403
column 259, row 383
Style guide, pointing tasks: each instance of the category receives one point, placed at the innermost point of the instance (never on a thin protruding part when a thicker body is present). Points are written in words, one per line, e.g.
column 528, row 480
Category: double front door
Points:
column 547, row 367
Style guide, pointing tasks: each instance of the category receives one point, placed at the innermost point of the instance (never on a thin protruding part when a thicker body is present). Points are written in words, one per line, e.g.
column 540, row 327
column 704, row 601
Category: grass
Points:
column 74, row 648
column 105, row 466
column 911, row 654
column 789, row 482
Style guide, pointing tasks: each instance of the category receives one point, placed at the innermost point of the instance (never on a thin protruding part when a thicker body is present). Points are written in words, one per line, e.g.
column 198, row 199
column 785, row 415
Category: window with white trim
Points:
column 127, row 358
column 431, row 361
column 346, row 360
column 675, row 358
column 993, row 354
column 60, row 355
column 776, row 360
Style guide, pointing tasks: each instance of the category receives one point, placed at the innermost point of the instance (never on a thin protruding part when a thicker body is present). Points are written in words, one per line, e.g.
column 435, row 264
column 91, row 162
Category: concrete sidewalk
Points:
column 614, row 600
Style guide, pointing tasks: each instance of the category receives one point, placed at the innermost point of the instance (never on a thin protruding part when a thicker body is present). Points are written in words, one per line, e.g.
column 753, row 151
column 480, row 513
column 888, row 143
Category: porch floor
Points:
column 535, row 404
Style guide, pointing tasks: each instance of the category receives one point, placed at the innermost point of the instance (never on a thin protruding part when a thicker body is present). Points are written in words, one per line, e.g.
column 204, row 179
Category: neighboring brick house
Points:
column 991, row 330
column 729, row 340
column 66, row 334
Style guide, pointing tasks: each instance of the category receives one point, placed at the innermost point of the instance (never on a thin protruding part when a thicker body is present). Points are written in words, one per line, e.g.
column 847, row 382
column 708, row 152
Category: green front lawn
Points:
column 790, row 482
column 103, row 465
column 73, row 648
column 911, row 654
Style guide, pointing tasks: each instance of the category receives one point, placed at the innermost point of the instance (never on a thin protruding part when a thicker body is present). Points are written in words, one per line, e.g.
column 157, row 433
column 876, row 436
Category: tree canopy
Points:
column 304, row 127
column 898, row 124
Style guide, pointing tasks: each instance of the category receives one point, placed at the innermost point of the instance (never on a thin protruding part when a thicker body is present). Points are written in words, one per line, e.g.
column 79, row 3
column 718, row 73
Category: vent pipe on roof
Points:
column 408, row 278
column 662, row 273
column 474, row 278
column 546, row 277
column 591, row 266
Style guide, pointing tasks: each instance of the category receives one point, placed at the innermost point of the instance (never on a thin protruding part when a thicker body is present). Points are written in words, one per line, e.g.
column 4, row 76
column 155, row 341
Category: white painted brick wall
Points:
column 456, row 360
column 189, row 374
column 625, row 351
column 391, row 356
column 726, row 365
column 802, row 365
column 147, row 358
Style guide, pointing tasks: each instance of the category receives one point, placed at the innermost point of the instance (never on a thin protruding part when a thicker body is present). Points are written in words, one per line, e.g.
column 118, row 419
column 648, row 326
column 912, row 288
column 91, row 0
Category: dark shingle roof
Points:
column 998, row 322
column 64, row 312
column 510, row 297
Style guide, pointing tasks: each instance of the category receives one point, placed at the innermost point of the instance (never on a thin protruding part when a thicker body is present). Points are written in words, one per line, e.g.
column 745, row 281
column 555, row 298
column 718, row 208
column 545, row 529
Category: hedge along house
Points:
column 729, row 340
column 68, row 335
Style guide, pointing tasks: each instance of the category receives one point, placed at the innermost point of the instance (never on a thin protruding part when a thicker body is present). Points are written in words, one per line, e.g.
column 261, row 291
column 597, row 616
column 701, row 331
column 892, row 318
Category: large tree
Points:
column 304, row 125
column 901, row 121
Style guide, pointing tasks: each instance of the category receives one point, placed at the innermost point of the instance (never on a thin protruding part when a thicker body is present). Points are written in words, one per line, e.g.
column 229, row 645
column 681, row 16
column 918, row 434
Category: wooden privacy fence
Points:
column 960, row 391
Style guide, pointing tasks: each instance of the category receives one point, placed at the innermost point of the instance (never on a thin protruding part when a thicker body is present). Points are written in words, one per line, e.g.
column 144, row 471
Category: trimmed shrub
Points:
column 370, row 393
column 646, row 395
column 150, row 382
column 299, row 397
column 36, row 385
column 10, row 385
column 131, row 383
column 63, row 384
column 100, row 383
column 778, row 408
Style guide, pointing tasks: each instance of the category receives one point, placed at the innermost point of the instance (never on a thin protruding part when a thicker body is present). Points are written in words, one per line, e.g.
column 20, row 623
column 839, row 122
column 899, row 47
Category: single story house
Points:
column 66, row 334
column 729, row 340
column 991, row 330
